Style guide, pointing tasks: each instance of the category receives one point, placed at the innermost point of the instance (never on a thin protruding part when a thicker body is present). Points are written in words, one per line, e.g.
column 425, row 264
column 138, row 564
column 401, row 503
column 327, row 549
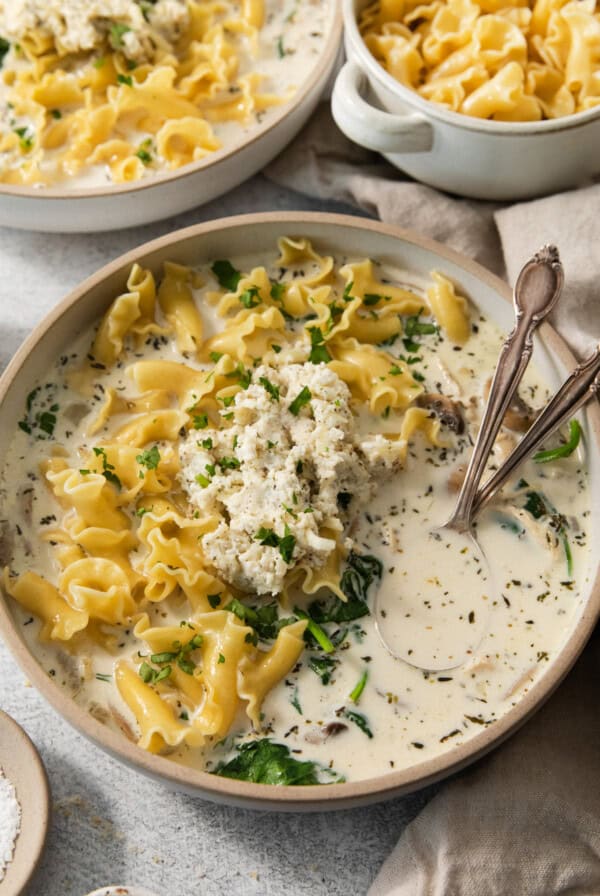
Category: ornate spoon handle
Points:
column 536, row 292
column 578, row 388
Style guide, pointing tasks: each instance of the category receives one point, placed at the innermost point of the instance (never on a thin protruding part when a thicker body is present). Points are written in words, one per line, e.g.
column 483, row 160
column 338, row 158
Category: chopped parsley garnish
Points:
column 347, row 296
column 43, row 420
column 142, row 511
column 107, row 469
column 318, row 350
column 414, row 326
column 144, row 155
column 125, row 79
column 203, row 481
column 102, row 676
column 242, row 374
column 115, row 35
column 25, row 138
column 276, row 349
column 270, row 387
column 214, row 600
column 153, row 676
column 150, row 458
column 545, row 457
column 99, row 62
column 250, row 297
column 180, row 655
column 226, row 274
column 215, row 357
column 221, row 658
column 286, row 543
column 359, row 720
column 229, row 463
column 303, row 398
column 263, row 619
column 207, row 444
column 280, row 47
column 323, row 666
column 295, row 701
column 4, row 48
column 277, row 290
column 56, row 113
column 371, row 298
column 265, row 762
column 200, row 421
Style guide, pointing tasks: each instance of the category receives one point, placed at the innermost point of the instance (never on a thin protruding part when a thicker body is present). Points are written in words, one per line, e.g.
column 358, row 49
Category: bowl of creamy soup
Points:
column 220, row 448
column 120, row 113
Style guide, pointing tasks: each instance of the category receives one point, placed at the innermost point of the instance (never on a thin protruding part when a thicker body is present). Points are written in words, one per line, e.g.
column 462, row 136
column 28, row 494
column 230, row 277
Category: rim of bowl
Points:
column 318, row 74
column 286, row 797
column 350, row 10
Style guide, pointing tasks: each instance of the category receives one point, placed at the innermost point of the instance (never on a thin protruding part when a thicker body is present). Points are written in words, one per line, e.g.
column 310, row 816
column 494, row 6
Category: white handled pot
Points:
column 371, row 127
column 495, row 160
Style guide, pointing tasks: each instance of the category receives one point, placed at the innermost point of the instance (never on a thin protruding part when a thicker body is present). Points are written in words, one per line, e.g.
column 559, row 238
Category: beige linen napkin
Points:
column 526, row 820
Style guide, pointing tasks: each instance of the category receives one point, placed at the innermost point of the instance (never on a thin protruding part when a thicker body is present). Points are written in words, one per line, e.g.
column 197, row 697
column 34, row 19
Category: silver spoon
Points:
column 434, row 613
column 579, row 387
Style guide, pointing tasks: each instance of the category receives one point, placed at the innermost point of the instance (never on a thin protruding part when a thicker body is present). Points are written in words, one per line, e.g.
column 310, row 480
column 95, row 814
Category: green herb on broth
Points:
column 265, row 762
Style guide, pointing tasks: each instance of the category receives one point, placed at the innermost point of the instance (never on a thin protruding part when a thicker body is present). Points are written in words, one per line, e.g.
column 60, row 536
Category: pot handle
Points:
column 371, row 127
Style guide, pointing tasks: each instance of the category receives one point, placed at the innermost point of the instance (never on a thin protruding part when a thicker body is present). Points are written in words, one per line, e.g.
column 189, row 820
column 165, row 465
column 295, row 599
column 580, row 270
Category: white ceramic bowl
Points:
column 482, row 159
column 111, row 207
column 257, row 234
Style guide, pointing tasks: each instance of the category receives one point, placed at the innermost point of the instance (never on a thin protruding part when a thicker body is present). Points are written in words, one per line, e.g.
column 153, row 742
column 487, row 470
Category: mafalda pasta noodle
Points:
column 112, row 92
column 523, row 60
column 205, row 492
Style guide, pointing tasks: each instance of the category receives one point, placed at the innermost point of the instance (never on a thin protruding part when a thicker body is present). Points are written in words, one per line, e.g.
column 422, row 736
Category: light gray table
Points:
column 110, row 825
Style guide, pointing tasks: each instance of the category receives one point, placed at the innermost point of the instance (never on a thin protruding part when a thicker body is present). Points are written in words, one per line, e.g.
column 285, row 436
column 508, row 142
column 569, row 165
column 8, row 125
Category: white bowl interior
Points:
column 352, row 237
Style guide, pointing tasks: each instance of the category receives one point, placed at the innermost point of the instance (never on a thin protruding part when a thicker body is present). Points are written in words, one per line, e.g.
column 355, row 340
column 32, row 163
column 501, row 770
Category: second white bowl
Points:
column 473, row 157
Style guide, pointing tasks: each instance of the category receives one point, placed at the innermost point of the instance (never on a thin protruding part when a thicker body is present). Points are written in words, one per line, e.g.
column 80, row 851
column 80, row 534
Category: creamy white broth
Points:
column 289, row 46
column 412, row 714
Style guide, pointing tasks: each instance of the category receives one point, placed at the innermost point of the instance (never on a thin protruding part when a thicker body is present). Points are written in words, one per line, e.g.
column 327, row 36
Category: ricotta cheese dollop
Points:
column 83, row 25
column 285, row 479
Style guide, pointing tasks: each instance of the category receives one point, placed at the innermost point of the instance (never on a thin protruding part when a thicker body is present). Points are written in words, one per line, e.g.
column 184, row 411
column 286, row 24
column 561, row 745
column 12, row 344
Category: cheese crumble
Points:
column 136, row 28
column 285, row 480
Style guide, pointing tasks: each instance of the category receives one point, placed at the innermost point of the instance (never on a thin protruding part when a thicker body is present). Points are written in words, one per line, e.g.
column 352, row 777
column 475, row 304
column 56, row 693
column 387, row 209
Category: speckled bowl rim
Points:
column 314, row 797
column 324, row 63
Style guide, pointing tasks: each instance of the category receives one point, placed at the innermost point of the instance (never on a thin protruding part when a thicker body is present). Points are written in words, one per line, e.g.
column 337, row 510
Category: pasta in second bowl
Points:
column 206, row 485
column 494, row 101
column 171, row 103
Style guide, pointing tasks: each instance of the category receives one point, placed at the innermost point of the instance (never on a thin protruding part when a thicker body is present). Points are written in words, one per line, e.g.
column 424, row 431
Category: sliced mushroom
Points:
column 449, row 412
column 334, row 728
column 519, row 415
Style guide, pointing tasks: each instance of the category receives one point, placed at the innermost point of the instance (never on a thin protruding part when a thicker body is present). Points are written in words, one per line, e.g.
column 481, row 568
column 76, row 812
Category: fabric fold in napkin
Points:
column 524, row 821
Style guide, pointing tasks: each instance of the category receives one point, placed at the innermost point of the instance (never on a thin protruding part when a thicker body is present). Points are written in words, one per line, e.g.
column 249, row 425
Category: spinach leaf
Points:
column 264, row 762
column 226, row 274
column 359, row 575
column 323, row 666
column 264, row 619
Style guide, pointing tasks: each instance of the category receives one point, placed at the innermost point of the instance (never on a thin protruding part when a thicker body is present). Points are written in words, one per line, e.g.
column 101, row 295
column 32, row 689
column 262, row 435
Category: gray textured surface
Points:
column 110, row 825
